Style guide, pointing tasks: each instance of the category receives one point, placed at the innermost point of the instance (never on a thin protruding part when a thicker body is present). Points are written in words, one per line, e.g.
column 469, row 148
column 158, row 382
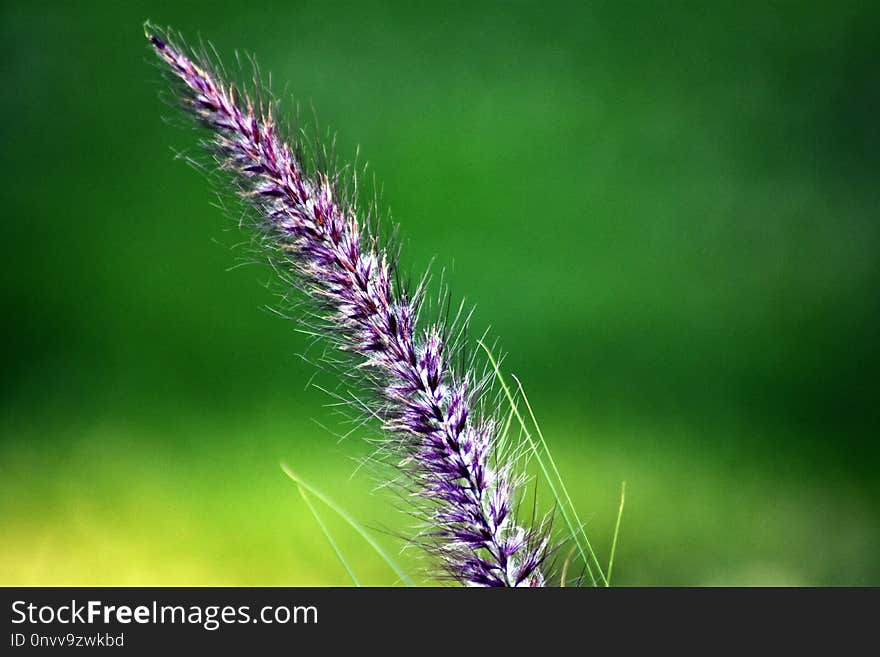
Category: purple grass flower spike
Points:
column 461, row 480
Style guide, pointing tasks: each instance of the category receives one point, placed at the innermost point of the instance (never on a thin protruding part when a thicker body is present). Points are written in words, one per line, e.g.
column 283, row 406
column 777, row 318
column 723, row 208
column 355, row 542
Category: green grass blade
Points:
column 563, row 577
column 552, row 461
column 616, row 532
column 329, row 537
column 566, row 507
column 350, row 520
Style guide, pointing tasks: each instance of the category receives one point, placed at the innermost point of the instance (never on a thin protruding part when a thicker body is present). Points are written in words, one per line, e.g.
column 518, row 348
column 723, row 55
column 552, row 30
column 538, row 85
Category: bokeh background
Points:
column 667, row 214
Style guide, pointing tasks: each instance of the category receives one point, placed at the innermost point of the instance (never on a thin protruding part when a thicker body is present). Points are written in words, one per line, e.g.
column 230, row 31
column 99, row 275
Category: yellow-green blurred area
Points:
column 667, row 213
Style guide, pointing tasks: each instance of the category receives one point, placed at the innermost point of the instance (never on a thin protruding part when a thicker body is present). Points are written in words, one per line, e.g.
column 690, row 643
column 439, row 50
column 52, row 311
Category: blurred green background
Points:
column 668, row 214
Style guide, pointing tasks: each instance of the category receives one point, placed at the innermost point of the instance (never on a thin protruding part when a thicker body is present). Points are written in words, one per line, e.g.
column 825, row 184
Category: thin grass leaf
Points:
column 564, row 575
column 546, row 447
column 350, row 520
column 329, row 537
column 616, row 532
column 566, row 507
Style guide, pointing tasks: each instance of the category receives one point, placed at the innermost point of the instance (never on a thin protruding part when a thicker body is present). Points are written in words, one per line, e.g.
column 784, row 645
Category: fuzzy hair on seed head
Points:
column 460, row 480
